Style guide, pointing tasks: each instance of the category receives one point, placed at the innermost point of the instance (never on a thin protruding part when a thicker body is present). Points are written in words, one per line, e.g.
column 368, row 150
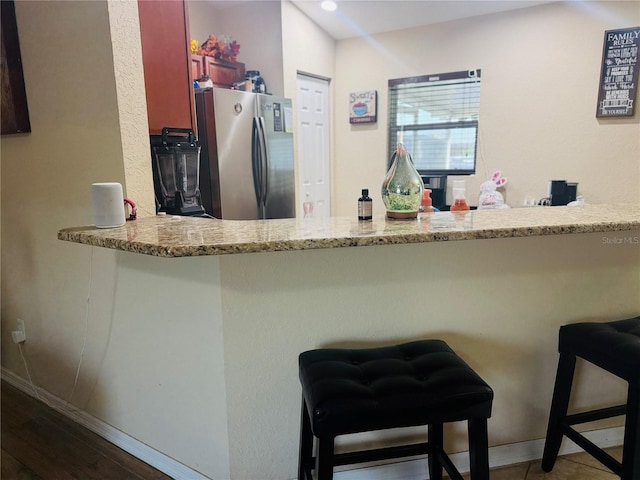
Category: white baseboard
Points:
column 156, row 459
column 499, row 456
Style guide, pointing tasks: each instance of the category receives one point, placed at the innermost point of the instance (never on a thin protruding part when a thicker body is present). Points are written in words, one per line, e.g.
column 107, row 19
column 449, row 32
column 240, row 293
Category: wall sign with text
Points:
column 619, row 74
column 363, row 107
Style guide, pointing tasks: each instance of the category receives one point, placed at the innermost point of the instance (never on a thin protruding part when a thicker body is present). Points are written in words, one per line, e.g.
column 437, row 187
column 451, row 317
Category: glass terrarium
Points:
column 402, row 187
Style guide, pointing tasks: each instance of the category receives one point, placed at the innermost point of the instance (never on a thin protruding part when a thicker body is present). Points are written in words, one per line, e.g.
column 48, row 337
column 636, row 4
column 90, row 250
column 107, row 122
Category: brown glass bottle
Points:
column 365, row 206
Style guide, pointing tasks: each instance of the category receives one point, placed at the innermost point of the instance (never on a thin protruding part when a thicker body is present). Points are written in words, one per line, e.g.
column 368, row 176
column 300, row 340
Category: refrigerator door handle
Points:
column 265, row 161
column 256, row 164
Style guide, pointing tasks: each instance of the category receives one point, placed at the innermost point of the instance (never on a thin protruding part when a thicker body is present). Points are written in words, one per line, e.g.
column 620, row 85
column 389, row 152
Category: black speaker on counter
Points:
column 562, row 192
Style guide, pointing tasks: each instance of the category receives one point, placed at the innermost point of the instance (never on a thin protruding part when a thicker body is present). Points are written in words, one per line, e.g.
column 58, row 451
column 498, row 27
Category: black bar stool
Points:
column 615, row 347
column 418, row 383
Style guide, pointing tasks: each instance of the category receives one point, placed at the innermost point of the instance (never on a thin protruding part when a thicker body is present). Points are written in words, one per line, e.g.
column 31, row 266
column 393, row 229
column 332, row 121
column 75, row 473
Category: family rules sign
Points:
column 619, row 73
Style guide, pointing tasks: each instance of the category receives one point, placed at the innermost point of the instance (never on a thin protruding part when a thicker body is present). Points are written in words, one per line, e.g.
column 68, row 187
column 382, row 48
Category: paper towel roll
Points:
column 108, row 204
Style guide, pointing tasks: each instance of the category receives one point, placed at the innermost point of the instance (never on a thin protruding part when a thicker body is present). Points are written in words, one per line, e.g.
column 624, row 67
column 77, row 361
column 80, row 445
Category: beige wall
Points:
column 161, row 374
column 306, row 49
column 204, row 20
column 46, row 177
column 132, row 104
column 540, row 69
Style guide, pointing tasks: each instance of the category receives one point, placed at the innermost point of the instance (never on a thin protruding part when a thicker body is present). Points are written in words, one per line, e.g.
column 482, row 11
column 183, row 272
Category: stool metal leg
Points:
column 478, row 449
column 324, row 458
column 559, row 407
column 305, row 455
column 435, row 437
column 630, row 453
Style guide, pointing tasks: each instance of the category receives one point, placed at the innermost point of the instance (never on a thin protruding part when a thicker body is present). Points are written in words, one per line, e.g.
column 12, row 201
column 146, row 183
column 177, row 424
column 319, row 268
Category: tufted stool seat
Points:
column 418, row 383
column 614, row 347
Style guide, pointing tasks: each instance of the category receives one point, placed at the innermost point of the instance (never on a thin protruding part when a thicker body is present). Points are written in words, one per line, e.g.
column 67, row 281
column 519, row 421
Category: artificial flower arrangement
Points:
column 217, row 48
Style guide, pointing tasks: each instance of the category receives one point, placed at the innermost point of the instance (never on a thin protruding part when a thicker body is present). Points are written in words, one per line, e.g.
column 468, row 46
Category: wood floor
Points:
column 39, row 443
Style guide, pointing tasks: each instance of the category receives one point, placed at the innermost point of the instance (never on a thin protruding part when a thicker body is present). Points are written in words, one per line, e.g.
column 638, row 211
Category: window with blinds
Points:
column 436, row 117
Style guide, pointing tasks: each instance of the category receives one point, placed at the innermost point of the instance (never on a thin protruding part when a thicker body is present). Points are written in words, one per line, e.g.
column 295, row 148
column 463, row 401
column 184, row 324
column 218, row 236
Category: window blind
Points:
column 436, row 117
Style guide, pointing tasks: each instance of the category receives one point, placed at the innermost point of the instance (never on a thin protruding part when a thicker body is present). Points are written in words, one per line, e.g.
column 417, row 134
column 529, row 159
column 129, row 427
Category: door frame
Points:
column 329, row 147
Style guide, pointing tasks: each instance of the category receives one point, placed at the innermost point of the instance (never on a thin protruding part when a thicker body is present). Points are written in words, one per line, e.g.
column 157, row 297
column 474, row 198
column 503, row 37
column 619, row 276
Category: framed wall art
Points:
column 15, row 114
column 363, row 107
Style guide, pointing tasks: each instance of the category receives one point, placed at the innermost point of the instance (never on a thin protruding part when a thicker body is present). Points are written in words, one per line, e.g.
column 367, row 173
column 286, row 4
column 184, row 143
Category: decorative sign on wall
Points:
column 363, row 107
column 619, row 74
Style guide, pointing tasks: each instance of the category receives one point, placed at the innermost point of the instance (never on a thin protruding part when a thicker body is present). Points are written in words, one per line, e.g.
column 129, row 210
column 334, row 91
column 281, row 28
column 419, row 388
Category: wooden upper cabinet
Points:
column 164, row 32
column 197, row 67
column 223, row 73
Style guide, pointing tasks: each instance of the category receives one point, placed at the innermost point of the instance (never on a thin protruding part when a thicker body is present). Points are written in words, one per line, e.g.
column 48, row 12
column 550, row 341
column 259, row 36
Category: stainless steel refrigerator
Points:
column 246, row 158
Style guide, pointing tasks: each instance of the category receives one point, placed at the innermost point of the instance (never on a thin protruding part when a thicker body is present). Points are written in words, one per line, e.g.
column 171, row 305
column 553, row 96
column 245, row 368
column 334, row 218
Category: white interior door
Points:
column 314, row 161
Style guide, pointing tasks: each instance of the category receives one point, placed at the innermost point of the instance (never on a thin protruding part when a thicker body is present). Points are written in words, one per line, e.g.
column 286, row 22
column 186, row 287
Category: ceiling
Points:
column 354, row 18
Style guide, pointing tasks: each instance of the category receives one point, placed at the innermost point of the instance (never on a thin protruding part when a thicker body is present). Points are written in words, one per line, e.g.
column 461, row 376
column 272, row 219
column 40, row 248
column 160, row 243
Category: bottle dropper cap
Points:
column 365, row 192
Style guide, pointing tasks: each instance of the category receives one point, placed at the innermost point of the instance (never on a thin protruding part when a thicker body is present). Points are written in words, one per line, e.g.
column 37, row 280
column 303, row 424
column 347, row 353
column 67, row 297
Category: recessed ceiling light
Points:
column 329, row 5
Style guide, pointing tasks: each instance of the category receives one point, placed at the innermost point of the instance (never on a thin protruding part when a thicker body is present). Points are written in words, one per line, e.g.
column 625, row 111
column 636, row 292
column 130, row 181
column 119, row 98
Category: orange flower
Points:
column 219, row 48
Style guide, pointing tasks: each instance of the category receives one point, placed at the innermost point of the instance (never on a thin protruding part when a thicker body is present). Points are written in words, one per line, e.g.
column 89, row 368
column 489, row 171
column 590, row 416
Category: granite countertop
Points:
column 174, row 236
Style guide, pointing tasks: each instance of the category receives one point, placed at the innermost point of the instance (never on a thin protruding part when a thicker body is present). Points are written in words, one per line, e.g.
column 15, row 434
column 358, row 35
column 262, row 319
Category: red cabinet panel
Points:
column 164, row 31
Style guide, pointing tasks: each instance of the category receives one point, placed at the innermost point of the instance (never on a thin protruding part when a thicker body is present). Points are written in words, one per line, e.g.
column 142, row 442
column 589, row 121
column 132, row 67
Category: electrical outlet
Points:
column 20, row 334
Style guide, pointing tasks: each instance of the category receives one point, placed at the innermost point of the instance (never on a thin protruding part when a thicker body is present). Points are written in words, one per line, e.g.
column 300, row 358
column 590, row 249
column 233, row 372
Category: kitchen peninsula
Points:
column 247, row 297
column 173, row 236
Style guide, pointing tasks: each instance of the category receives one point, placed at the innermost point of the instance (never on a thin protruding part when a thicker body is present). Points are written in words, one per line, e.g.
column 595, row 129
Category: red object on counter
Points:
column 459, row 205
column 134, row 212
